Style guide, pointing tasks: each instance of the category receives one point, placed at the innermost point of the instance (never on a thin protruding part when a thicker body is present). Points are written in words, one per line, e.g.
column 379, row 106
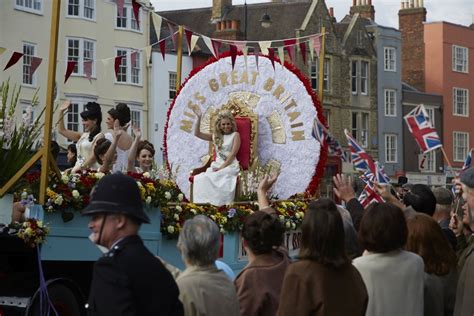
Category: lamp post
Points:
column 265, row 21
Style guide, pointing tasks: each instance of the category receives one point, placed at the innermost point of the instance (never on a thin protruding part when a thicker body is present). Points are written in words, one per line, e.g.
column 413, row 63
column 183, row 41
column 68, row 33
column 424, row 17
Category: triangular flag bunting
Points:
column 162, row 44
column 194, row 39
column 311, row 50
column 173, row 34
column 233, row 54
column 157, row 24
column 189, row 35
column 271, row 54
column 148, row 54
column 208, row 42
column 133, row 58
column 290, row 46
column 88, row 69
column 2, row 50
column 13, row 60
column 136, row 11
column 245, row 51
column 216, row 45
column 240, row 46
column 317, row 45
column 117, row 63
column 281, row 55
column 120, row 4
column 264, row 45
column 303, row 51
column 35, row 62
column 69, row 69
column 256, row 53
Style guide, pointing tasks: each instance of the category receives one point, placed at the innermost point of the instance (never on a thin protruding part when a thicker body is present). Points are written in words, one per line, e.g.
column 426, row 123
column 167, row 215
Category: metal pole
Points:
column 245, row 20
column 180, row 57
column 322, row 55
column 48, row 121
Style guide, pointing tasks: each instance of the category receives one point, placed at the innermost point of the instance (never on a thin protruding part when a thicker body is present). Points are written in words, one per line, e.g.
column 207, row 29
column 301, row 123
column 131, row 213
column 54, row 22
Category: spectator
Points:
column 426, row 239
column 442, row 214
column 324, row 275
column 464, row 302
column 420, row 199
column 71, row 155
column 204, row 289
column 350, row 241
column 393, row 276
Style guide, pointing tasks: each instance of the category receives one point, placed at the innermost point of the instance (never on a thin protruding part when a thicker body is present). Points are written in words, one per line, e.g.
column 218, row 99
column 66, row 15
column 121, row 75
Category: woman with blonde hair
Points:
column 217, row 184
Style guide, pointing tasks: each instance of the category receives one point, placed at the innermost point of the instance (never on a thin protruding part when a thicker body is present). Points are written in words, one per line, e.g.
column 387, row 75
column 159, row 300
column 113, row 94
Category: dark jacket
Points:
column 129, row 280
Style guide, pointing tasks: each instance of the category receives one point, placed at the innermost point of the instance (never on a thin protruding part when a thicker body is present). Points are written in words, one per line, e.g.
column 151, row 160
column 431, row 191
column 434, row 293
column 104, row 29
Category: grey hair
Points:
column 199, row 241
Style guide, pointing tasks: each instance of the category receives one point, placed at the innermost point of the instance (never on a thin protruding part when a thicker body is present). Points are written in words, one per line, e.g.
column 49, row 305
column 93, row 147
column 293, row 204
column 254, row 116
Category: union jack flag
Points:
column 468, row 161
column 420, row 127
column 322, row 135
column 362, row 161
column 319, row 131
column 369, row 196
column 380, row 176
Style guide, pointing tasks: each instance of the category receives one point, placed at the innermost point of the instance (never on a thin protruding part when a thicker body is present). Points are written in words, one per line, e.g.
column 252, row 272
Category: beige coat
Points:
column 465, row 292
column 207, row 291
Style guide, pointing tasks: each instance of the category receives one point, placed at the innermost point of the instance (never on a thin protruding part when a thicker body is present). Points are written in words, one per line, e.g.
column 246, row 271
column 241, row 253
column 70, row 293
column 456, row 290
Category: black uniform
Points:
column 129, row 280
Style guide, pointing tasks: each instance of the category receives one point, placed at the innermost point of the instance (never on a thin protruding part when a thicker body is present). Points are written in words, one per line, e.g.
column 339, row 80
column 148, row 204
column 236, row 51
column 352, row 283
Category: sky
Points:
column 386, row 11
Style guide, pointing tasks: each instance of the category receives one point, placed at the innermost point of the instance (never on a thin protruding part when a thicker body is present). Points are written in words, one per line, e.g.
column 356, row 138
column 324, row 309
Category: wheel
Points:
column 63, row 298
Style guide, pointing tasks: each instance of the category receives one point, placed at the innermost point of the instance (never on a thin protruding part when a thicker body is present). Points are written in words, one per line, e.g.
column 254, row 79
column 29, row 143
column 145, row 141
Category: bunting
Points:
column 13, row 60
column 194, row 39
column 233, row 54
column 173, row 32
column 117, row 63
column 69, row 69
column 317, row 44
column 136, row 11
column 271, row 54
column 148, row 54
column 189, row 36
column 162, row 44
column 264, row 45
column 120, row 4
column 290, row 46
column 281, row 55
column 35, row 62
column 157, row 20
column 303, row 51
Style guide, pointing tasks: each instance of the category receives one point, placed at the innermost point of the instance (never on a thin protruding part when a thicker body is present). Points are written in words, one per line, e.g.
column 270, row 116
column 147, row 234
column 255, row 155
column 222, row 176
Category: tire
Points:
column 64, row 301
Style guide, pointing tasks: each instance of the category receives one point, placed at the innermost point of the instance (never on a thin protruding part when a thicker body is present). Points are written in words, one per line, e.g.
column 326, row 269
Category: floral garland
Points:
column 319, row 168
column 229, row 218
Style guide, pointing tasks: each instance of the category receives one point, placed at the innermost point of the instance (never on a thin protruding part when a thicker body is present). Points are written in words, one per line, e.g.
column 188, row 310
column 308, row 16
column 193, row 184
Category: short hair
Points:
column 262, row 232
column 383, row 228
column 426, row 239
column 323, row 234
column 421, row 199
column 144, row 144
column 199, row 241
column 101, row 147
column 443, row 196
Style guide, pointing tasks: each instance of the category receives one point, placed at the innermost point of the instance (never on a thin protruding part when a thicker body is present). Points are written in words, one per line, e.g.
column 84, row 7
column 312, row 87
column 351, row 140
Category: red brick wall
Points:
column 413, row 50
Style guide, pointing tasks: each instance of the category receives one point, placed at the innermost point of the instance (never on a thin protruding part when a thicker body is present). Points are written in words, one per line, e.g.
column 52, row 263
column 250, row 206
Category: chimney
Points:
column 411, row 18
column 218, row 9
column 364, row 8
column 331, row 12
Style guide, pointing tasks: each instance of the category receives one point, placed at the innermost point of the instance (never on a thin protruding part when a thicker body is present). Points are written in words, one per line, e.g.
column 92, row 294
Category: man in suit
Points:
column 128, row 279
column 464, row 302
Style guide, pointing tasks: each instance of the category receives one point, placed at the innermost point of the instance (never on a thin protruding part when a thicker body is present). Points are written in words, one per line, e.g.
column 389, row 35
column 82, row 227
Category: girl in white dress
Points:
column 217, row 184
column 120, row 113
column 91, row 120
column 141, row 151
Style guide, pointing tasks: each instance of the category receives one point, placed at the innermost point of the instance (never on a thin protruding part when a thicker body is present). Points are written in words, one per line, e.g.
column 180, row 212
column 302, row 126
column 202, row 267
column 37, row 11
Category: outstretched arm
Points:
column 132, row 154
column 197, row 128
column 233, row 153
column 109, row 155
column 71, row 135
column 263, row 187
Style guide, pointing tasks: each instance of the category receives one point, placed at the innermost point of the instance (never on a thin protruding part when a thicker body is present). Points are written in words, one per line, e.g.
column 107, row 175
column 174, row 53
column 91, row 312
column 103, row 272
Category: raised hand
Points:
column 267, row 182
column 343, row 187
column 137, row 132
column 118, row 130
column 196, row 110
column 65, row 106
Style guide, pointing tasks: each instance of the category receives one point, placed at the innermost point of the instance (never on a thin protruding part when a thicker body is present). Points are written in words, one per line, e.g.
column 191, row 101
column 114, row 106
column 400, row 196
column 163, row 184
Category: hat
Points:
column 117, row 193
column 443, row 196
column 121, row 112
column 420, row 198
column 467, row 178
column 402, row 180
column 92, row 111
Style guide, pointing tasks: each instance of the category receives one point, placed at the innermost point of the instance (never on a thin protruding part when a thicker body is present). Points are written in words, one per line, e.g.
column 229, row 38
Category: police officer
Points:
column 128, row 279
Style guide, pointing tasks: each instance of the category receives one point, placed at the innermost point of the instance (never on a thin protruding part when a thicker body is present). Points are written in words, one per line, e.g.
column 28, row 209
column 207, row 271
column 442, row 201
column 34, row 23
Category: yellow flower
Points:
column 50, row 193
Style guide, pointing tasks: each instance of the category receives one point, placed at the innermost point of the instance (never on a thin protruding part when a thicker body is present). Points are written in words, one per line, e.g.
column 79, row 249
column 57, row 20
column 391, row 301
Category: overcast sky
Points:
column 386, row 11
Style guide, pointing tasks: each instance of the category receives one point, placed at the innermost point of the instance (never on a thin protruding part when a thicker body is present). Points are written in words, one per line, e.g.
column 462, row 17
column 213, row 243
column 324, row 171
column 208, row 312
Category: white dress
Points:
column 84, row 151
column 121, row 164
column 218, row 187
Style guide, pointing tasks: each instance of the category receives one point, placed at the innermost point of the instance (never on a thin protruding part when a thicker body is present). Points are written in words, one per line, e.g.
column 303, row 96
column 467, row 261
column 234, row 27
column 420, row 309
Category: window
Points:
column 354, row 71
column 130, row 66
column 172, row 85
column 34, row 6
column 364, row 75
column 390, row 63
column 390, row 148
column 127, row 20
column 136, row 118
column 315, row 74
column 431, row 115
column 84, row 9
column 29, row 52
column 81, row 50
column 360, row 128
column 430, row 161
column 460, row 59
column 390, row 102
column 73, row 118
column 461, row 146
column 460, row 102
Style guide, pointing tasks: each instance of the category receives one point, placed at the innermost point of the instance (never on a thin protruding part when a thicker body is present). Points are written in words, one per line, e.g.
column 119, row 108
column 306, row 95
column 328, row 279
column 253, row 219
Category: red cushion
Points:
column 244, row 127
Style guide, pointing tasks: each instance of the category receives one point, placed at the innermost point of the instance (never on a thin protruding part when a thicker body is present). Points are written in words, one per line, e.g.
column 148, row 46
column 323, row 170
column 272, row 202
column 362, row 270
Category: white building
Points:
column 88, row 30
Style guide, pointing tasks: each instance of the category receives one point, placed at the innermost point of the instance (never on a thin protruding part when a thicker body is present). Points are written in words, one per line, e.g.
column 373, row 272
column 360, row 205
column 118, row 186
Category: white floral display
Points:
column 279, row 90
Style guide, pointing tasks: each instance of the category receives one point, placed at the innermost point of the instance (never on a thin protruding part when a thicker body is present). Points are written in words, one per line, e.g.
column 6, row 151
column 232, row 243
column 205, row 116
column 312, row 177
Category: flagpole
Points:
column 180, row 57
column 322, row 55
column 446, row 158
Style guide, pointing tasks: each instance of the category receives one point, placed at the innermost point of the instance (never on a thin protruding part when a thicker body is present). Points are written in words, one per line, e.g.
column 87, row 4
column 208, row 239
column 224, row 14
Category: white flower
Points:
column 148, row 200
column 180, row 197
column 293, row 226
column 65, row 178
column 24, row 195
column 146, row 174
column 28, row 231
column 301, row 214
column 99, row 175
column 179, row 209
column 140, row 185
column 224, row 220
column 167, row 195
column 213, row 217
column 176, row 217
column 170, row 229
column 223, row 231
column 193, row 211
column 288, row 224
column 282, row 218
column 75, row 194
column 59, row 200
column 297, row 215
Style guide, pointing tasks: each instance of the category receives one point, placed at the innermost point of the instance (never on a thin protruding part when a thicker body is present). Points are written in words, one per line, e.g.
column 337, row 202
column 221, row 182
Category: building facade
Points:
column 90, row 32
